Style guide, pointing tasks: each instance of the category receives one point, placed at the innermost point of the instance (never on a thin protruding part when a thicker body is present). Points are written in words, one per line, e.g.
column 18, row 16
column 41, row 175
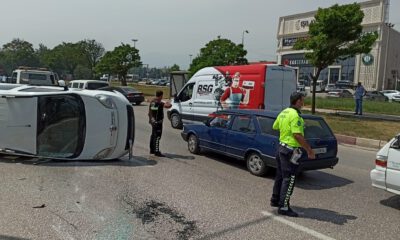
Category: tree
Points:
column 219, row 52
column 336, row 34
column 93, row 51
column 174, row 67
column 119, row 61
column 17, row 53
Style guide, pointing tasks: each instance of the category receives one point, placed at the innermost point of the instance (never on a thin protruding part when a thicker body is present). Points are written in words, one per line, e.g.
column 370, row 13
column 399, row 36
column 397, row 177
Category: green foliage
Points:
column 82, row 72
column 174, row 67
column 219, row 52
column 64, row 58
column 335, row 34
column 119, row 61
column 18, row 53
column 93, row 52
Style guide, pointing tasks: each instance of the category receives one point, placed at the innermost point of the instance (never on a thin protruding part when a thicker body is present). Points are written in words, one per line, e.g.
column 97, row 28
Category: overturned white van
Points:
column 62, row 123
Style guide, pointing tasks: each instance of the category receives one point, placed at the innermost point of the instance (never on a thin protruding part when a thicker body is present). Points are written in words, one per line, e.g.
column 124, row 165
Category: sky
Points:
column 167, row 31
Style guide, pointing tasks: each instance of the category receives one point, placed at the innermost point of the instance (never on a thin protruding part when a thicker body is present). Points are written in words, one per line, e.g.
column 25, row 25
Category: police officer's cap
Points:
column 295, row 96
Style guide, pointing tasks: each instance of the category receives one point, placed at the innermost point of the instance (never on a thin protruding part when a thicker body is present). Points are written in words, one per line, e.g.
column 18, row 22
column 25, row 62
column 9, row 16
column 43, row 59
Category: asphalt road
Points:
column 184, row 196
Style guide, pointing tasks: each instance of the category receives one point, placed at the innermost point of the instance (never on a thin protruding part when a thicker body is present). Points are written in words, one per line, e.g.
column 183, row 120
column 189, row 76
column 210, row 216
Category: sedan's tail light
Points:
column 381, row 161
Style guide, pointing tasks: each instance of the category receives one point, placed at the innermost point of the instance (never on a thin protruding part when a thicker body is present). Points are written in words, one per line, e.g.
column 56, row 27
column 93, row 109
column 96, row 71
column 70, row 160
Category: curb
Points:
column 362, row 142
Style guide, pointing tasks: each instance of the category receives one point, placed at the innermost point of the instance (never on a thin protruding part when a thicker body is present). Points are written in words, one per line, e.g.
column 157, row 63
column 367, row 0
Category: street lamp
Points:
column 190, row 58
column 245, row 31
column 134, row 42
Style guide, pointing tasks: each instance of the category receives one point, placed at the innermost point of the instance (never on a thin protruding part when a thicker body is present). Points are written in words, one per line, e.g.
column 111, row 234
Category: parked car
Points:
column 390, row 93
column 340, row 93
column 155, row 82
column 330, row 87
column 386, row 174
column 396, row 98
column 302, row 89
column 87, row 84
column 163, row 82
column 248, row 135
column 376, row 96
column 133, row 95
column 344, row 84
column 62, row 123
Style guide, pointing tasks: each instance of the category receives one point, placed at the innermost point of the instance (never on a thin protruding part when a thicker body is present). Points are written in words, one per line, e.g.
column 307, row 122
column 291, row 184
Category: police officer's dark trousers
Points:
column 156, row 131
column 284, row 179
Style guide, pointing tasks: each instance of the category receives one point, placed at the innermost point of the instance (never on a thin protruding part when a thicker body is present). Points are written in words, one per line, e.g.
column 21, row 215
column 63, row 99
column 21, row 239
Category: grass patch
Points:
column 348, row 104
column 364, row 128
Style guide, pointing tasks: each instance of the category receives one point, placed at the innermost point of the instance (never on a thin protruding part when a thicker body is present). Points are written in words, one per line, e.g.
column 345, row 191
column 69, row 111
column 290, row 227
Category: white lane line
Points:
column 297, row 226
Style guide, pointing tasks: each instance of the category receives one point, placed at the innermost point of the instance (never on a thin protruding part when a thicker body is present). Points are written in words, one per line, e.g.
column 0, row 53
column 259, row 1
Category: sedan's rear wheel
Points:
column 256, row 165
column 193, row 144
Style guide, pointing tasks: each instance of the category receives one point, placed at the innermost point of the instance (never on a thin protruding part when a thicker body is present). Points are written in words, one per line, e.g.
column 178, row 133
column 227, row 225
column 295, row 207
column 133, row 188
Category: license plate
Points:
column 319, row 150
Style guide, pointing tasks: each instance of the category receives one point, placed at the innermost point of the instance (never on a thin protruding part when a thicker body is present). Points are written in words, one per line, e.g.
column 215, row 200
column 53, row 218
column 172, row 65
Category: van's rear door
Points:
column 279, row 84
column 393, row 168
column 18, row 118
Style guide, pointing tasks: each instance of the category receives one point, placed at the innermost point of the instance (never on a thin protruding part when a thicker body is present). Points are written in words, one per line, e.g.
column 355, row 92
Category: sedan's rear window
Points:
column 316, row 128
column 266, row 124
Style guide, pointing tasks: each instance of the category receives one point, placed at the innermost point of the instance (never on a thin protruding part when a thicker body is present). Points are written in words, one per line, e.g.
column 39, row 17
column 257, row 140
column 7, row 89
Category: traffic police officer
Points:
column 156, row 117
column 291, row 127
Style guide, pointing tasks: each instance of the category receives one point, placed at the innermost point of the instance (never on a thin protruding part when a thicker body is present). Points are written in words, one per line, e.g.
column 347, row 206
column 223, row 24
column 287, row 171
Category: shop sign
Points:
column 367, row 59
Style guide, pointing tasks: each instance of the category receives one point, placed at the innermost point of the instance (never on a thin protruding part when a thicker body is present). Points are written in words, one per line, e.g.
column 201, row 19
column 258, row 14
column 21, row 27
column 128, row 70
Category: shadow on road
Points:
column 226, row 160
column 324, row 215
column 136, row 161
column 238, row 227
column 393, row 202
column 177, row 156
column 318, row 180
column 4, row 237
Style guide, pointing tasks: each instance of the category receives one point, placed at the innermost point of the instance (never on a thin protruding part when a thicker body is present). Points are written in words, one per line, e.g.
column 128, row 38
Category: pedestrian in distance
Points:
column 290, row 125
column 156, row 117
column 359, row 95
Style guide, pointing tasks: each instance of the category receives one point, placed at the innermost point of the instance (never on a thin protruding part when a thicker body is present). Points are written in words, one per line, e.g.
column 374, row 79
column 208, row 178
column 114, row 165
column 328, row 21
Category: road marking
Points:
column 297, row 226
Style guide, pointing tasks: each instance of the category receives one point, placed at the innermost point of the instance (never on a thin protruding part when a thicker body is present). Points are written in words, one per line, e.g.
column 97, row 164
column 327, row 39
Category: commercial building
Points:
column 377, row 70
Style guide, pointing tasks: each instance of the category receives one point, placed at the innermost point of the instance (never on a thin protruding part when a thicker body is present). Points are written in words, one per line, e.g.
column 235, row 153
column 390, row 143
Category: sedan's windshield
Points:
column 61, row 126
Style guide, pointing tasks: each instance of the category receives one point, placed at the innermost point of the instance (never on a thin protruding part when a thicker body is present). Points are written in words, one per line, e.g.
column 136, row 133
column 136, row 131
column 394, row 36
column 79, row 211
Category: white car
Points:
column 62, row 123
column 390, row 93
column 386, row 174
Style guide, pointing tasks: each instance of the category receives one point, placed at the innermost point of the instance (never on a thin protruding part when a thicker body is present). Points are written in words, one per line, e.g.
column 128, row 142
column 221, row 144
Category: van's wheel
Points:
column 193, row 144
column 176, row 121
column 138, row 103
column 256, row 165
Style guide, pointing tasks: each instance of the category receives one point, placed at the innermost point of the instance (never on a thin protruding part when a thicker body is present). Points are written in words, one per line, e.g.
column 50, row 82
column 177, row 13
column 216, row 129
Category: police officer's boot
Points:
column 158, row 153
column 287, row 211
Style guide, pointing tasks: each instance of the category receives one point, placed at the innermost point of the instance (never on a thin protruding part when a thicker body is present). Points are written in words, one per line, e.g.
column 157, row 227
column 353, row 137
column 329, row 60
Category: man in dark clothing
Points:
column 156, row 117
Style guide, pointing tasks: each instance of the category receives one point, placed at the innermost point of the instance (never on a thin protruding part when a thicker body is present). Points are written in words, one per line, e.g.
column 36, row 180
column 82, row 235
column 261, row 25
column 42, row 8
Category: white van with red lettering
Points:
column 254, row 86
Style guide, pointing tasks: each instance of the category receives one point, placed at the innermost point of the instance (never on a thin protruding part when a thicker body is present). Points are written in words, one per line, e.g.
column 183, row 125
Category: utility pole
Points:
column 245, row 31
column 134, row 42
